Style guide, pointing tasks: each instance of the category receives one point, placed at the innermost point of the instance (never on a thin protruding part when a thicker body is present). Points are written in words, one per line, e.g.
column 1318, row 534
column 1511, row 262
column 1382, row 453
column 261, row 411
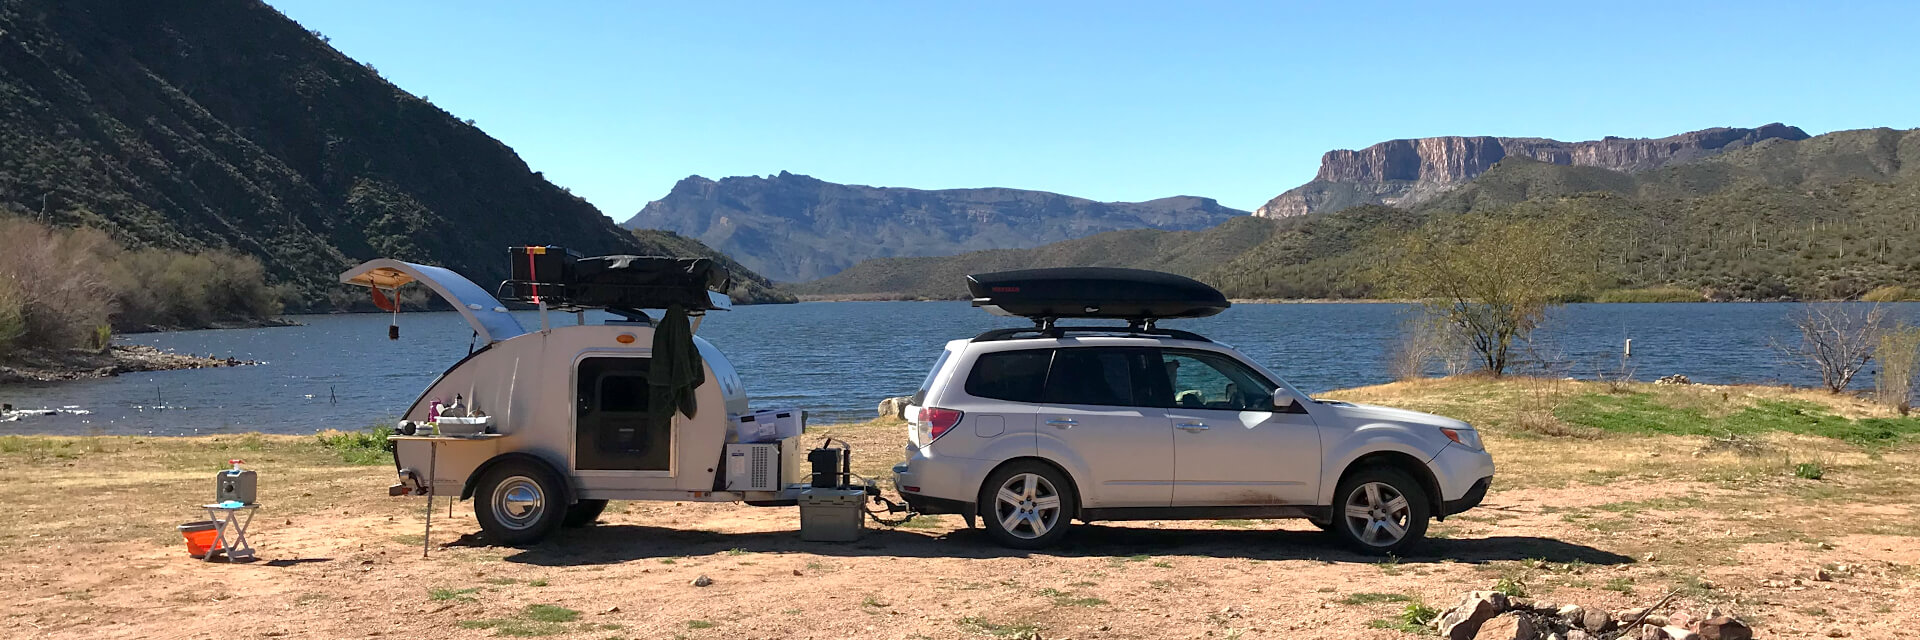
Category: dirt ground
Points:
column 90, row 552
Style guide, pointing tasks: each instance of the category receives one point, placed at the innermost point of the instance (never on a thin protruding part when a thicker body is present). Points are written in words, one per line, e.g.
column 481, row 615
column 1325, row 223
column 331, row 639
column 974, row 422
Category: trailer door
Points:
column 614, row 431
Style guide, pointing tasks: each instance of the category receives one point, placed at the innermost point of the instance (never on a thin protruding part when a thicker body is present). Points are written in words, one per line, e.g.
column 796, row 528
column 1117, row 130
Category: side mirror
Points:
column 1284, row 402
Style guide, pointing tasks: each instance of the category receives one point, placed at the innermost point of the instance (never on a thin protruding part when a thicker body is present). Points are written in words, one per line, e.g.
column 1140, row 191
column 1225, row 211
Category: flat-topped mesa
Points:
column 1407, row 172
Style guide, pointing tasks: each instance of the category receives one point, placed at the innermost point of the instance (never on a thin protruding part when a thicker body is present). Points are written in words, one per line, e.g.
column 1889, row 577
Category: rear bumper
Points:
column 930, row 505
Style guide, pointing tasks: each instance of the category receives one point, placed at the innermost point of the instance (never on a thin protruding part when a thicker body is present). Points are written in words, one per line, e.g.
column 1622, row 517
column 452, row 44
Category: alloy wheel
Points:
column 1027, row 506
column 1377, row 514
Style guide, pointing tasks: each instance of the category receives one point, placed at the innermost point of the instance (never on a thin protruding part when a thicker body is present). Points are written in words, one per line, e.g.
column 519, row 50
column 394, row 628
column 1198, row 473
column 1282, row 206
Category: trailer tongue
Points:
column 542, row 428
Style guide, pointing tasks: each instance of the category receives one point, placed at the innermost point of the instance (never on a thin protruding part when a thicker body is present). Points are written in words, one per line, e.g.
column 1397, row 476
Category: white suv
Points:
column 1031, row 428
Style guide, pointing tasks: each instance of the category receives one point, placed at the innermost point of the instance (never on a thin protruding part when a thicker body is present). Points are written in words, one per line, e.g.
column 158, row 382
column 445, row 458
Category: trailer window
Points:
column 613, row 430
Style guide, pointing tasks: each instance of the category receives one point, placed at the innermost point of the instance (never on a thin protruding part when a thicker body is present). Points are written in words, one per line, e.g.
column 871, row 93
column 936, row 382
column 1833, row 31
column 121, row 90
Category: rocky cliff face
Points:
column 1407, row 172
column 793, row 227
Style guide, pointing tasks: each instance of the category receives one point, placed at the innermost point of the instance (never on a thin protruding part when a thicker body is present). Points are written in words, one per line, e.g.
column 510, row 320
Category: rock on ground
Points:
column 895, row 407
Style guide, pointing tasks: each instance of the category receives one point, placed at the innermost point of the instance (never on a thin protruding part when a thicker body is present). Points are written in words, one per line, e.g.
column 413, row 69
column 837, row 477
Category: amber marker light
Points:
column 624, row 338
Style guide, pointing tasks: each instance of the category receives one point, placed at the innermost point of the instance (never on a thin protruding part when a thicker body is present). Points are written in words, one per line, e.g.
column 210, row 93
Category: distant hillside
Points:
column 1822, row 218
column 794, row 227
column 1185, row 252
column 1406, row 173
column 222, row 124
column 1874, row 155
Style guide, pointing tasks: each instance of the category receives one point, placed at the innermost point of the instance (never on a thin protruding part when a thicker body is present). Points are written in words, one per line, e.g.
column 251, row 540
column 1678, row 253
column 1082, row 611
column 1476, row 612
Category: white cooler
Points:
column 769, row 425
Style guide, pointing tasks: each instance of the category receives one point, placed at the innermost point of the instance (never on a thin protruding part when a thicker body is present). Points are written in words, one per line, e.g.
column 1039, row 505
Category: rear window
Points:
column 920, row 397
column 1014, row 376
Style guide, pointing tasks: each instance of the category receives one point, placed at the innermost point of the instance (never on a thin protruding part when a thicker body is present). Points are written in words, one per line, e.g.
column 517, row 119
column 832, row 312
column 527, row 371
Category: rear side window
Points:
column 1014, row 376
column 920, row 397
column 1096, row 376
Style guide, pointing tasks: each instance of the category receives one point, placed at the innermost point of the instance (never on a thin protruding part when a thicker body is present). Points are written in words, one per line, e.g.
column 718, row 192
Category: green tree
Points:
column 1492, row 279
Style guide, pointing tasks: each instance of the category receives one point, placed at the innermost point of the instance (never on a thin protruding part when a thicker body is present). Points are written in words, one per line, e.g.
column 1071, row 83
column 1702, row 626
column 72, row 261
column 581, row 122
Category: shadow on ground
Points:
column 611, row 544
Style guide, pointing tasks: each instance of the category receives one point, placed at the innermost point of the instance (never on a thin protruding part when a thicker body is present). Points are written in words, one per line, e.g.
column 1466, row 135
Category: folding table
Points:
column 234, row 516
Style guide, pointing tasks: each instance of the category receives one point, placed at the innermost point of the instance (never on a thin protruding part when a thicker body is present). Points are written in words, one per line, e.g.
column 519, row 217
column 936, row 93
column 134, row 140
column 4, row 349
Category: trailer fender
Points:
column 566, row 483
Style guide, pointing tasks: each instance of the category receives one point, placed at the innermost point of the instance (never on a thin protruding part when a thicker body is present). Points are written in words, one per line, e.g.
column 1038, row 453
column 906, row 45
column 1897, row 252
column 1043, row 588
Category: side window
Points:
column 1014, row 376
column 1109, row 377
column 920, row 397
column 1203, row 380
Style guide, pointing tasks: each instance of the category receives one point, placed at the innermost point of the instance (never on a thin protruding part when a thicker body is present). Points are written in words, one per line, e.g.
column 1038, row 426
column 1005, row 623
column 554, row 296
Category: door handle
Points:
column 1063, row 423
column 1191, row 426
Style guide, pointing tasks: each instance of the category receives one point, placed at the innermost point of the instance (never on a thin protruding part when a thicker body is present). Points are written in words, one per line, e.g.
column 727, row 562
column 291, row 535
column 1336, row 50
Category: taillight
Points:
column 938, row 421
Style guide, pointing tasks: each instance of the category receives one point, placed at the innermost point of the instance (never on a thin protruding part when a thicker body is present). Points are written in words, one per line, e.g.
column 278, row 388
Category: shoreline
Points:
column 897, row 297
column 78, row 364
column 258, row 323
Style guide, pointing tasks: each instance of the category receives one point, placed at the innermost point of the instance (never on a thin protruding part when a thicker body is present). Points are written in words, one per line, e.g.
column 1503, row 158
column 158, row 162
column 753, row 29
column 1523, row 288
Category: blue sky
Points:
column 1107, row 100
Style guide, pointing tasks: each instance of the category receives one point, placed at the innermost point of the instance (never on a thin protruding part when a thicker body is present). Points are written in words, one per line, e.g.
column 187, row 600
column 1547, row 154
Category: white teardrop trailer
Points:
column 542, row 427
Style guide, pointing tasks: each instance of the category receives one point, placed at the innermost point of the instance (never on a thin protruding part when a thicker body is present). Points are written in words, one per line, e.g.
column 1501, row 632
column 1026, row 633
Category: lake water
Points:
column 838, row 359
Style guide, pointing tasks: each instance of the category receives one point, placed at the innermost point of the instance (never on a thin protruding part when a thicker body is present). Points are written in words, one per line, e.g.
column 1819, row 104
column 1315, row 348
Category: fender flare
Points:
column 566, row 484
column 1402, row 461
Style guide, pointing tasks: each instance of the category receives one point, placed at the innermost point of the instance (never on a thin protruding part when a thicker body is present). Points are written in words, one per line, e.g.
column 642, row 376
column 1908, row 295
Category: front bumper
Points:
column 1458, row 468
column 1473, row 498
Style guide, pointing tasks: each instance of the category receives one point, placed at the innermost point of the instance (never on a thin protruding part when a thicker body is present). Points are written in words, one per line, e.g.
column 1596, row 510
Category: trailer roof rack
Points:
column 1138, row 296
column 562, row 280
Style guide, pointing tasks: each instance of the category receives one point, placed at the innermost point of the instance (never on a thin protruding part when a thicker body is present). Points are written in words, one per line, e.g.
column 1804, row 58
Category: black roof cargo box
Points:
column 1094, row 292
column 565, row 281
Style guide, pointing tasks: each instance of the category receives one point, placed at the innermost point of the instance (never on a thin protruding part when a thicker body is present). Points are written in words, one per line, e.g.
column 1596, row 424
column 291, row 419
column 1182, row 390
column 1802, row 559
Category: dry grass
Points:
column 1608, row 519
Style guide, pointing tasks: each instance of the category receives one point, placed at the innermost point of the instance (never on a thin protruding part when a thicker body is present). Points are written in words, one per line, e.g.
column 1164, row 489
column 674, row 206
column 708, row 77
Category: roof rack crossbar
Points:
column 1051, row 330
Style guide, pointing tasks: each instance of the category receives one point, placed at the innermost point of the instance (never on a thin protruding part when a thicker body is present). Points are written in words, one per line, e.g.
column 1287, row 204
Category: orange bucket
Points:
column 202, row 537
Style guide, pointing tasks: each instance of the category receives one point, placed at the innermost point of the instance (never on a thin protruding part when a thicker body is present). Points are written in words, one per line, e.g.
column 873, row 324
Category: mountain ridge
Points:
column 1817, row 218
column 1408, row 172
column 792, row 226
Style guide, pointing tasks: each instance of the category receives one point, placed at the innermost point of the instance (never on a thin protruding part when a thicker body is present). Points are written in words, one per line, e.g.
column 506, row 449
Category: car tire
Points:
column 583, row 513
column 1027, row 505
column 519, row 502
column 1380, row 511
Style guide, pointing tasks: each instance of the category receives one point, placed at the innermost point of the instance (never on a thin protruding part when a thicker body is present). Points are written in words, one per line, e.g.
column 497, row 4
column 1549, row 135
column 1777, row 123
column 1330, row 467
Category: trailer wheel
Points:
column 584, row 513
column 519, row 502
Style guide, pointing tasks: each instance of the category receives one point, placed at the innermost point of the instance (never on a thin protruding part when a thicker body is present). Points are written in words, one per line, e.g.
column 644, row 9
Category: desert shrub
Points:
column 1899, row 355
column 1424, row 341
column 68, row 288
column 173, row 289
column 1892, row 293
column 12, row 322
column 60, row 280
column 1836, row 340
column 1650, row 294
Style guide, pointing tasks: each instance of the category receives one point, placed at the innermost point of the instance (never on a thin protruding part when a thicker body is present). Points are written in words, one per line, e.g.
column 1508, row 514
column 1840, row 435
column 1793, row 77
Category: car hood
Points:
column 1350, row 412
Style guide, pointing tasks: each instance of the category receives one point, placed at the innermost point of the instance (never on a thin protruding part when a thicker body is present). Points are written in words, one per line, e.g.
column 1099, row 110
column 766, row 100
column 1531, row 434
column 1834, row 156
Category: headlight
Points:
column 1464, row 437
